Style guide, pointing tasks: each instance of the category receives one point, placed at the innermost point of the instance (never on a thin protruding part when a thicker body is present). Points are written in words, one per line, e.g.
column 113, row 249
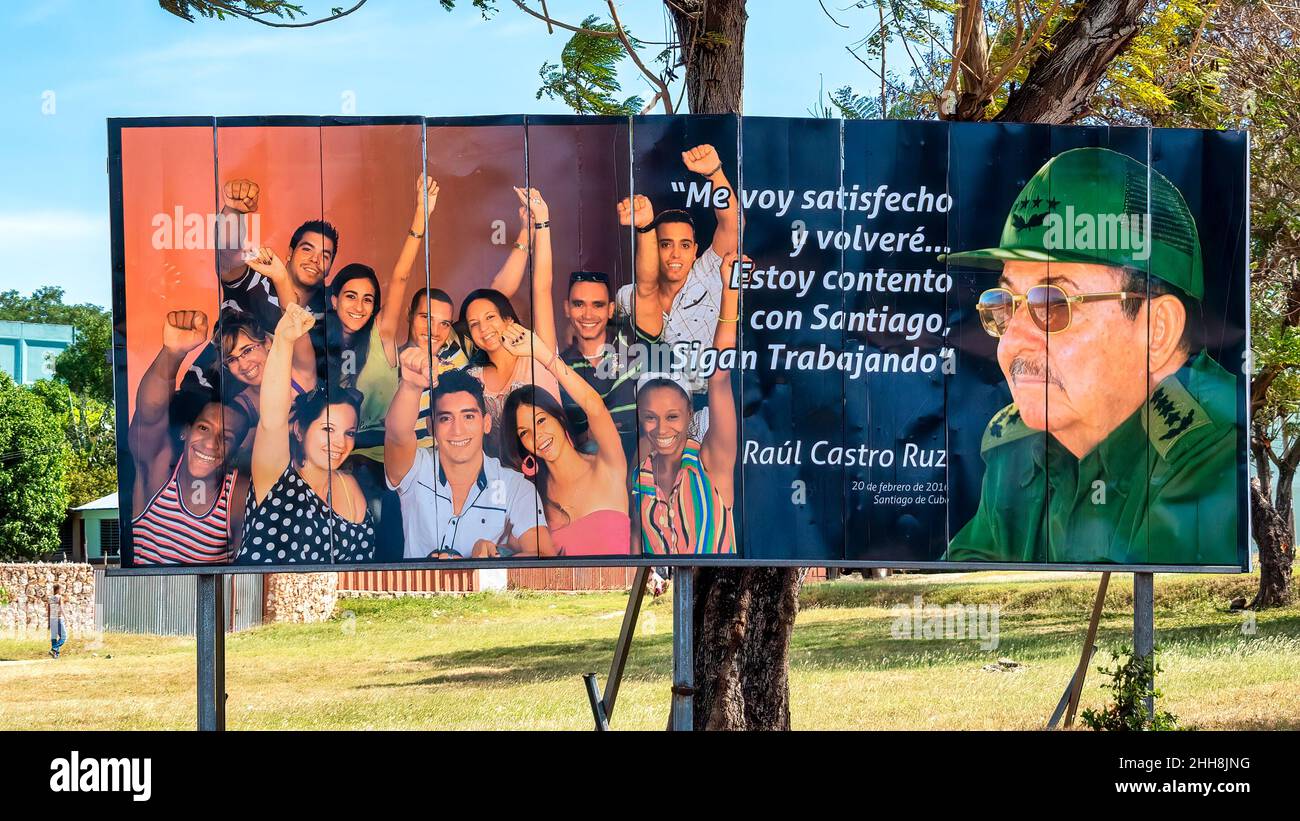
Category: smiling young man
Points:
column 678, row 289
column 457, row 502
column 1101, row 350
column 595, row 354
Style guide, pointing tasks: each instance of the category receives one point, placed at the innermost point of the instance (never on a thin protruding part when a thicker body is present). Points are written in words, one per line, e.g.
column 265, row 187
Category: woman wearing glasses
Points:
column 244, row 346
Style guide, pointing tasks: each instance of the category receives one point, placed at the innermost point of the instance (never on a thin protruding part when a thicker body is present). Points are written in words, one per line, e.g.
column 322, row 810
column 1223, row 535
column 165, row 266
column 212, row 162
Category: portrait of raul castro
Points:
column 1120, row 443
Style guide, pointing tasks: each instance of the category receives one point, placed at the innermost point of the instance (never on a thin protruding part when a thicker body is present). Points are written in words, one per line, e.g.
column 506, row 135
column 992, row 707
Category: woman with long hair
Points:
column 486, row 315
column 355, row 300
column 684, row 491
column 302, row 507
column 583, row 493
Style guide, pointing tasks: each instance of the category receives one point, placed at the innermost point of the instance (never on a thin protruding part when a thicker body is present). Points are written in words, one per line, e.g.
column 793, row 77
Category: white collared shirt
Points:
column 693, row 316
column 502, row 504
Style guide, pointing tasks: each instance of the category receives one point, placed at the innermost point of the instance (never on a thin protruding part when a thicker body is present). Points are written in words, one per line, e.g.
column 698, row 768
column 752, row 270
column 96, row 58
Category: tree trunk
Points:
column 1063, row 80
column 1276, row 551
column 743, row 616
column 712, row 38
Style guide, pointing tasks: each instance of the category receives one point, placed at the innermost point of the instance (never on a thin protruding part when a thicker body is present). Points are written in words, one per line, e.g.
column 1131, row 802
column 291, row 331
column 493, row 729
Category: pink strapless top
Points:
column 599, row 533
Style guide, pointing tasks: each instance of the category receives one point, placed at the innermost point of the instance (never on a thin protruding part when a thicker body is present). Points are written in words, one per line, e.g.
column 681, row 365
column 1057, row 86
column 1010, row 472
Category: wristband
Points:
column 646, row 229
column 714, row 171
column 543, row 224
column 415, row 235
column 521, row 247
column 733, row 319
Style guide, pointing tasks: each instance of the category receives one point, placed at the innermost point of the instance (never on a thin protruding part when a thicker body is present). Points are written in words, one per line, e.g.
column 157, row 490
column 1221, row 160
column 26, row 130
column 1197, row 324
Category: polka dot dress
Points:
column 294, row 526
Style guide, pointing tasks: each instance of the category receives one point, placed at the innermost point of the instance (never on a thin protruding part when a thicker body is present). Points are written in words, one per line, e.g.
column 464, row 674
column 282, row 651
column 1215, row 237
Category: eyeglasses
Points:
column 242, row 355
column 1049, row 307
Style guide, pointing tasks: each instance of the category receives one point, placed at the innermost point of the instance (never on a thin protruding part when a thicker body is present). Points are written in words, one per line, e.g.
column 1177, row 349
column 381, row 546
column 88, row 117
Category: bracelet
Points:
column 714, row 171
column 735, row 318
column 645, row 229
column 543, row 224
column 554, row 356
column 521, row 247
column 415, row 235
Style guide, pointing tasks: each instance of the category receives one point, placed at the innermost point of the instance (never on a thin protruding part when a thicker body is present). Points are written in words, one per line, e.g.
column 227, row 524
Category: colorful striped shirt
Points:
column 690, row 518
column 166, row 532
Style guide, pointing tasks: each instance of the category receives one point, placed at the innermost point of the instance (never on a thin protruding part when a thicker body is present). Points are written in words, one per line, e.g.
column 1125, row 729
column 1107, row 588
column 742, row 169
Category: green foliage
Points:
column 586, row 78
column 4, row 597
column 85, row 365
column 1132, row 683
column 88, row 427
column 33, row 462
column 222, row 9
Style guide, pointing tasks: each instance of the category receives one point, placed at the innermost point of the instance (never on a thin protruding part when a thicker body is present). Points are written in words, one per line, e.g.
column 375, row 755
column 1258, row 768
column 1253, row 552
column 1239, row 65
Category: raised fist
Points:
column 636, row 211
column 730, row 275
column 267, row 263
column 530, row 199
column 185, row 331
column 414, row 362
column 426, row 193
column 241, row 195
column 295, row 322
column 702, row 159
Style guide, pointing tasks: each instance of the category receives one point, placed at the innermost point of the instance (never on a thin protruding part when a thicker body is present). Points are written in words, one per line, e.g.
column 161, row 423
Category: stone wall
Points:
column 300, row 597
column 28, row 588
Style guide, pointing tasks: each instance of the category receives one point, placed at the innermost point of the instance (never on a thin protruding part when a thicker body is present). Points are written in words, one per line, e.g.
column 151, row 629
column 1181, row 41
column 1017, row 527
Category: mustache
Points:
column 1037, row 370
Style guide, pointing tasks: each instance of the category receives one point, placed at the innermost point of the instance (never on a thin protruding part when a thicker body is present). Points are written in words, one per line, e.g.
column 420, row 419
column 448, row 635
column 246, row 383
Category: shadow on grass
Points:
column 852, row 644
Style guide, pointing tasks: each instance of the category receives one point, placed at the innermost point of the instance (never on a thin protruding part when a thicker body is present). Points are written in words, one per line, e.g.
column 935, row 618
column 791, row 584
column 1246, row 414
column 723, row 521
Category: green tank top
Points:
column 377, row 383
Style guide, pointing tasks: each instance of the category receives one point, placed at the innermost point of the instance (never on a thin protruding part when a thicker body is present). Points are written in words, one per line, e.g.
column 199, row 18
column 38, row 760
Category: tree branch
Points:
column 229, row 8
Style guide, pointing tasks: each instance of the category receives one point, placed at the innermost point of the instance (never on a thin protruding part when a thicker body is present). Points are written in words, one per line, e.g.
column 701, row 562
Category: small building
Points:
column 93, row 532
column 28, row 349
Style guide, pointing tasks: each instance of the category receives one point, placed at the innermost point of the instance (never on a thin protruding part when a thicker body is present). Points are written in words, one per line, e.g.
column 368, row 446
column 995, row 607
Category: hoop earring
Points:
column 529, row 466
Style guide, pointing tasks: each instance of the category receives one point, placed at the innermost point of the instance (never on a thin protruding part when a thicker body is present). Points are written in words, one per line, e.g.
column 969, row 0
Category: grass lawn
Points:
column 514, row 661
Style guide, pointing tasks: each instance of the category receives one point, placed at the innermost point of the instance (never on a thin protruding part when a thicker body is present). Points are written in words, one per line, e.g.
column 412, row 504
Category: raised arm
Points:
column 511, row 275
column 183, row 331
column 718, row 450
column 394, row 304
column 400, row 440
column 543, row 269
column 600, row 424
column 704, row 160
column 648, row 309
column 271, row 447
column 268, row 263
column 239, row 199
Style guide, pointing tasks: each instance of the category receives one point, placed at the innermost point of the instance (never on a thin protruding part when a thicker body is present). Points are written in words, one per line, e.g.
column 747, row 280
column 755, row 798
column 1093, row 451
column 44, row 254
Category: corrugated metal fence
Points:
column 164, row 605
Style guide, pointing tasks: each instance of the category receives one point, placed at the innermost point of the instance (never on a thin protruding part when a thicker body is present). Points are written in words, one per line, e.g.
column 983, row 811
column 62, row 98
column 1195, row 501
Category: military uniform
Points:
column 1160, row 489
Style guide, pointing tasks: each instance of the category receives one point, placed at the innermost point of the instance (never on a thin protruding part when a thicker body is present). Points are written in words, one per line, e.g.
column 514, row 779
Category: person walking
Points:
column 58, row 635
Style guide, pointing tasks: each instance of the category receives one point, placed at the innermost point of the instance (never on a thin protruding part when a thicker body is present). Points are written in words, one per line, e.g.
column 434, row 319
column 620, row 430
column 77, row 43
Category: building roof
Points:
column 108, row 502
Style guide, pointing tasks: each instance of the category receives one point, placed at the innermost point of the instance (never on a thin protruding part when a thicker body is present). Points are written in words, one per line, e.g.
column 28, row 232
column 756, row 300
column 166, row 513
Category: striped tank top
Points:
column 166, row 532
column 691, row 518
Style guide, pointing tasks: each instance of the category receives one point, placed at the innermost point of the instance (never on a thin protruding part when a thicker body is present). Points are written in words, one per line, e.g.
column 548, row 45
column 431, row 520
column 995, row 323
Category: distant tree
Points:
column 33, row 461
column 91, row 440
column 85, row 366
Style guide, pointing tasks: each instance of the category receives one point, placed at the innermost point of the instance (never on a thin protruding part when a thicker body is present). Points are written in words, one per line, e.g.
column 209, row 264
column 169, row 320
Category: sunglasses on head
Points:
column 1050, row 307
column 589, row 276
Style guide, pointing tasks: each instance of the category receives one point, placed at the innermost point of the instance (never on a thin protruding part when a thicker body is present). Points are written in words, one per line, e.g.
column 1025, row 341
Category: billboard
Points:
column 675, row 340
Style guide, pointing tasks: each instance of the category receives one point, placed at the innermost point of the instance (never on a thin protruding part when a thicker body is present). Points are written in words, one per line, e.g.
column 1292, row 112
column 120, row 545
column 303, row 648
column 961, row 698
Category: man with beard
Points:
column 1101, row 350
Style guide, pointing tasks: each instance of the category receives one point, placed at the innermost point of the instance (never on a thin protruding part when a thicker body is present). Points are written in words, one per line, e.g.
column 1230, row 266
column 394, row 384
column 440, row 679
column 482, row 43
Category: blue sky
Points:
column 68, row 65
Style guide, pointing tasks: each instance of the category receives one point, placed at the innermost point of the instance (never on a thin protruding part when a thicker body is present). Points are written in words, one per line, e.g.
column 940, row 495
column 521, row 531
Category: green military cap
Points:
column 1091, row 205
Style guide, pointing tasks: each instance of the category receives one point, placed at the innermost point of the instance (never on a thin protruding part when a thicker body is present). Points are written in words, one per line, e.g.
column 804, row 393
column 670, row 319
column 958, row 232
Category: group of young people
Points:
column 329, row 419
